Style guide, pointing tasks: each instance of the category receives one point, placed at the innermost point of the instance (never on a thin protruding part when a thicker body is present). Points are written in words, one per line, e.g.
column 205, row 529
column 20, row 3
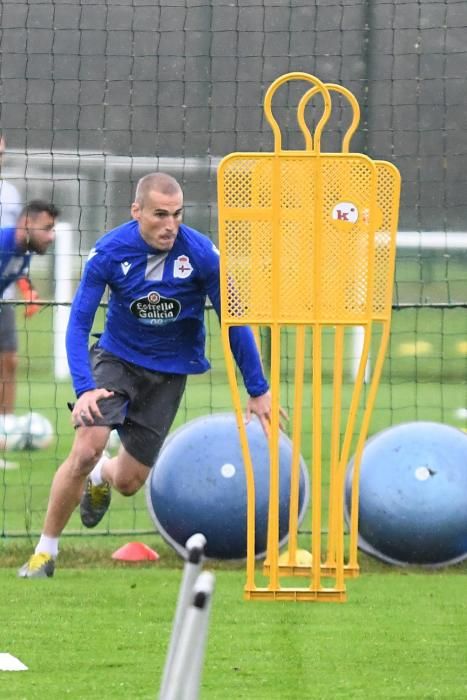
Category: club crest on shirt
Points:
column 182, row 267
column 154, row 309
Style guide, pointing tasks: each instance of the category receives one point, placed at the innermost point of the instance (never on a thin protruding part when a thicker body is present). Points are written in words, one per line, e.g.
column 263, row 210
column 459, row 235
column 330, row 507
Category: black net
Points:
column 96, row 93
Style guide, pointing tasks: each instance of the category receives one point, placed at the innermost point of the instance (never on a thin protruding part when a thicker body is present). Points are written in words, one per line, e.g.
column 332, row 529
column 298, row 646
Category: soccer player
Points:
column 159, row 272
column 33, row 232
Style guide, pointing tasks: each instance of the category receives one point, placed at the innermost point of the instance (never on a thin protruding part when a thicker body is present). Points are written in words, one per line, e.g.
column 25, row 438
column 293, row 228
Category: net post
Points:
column 63, row 295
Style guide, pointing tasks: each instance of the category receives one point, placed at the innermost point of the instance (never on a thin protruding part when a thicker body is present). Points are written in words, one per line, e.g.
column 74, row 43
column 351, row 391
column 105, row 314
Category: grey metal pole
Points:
column 194, row 546
column 192, row 684
column 185, row 674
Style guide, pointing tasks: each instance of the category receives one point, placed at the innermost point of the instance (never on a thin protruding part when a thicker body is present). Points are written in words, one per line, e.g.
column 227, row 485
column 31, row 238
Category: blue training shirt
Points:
column 155, row 316
column 13, row 262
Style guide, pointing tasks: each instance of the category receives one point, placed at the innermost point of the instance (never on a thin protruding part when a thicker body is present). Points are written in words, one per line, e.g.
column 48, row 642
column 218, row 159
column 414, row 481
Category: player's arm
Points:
column 83, row 311
column 244, row 350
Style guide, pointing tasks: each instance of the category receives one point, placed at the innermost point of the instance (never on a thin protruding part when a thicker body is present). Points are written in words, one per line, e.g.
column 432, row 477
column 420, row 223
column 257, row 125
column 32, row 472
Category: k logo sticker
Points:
column 182, row 267
column 345, row 212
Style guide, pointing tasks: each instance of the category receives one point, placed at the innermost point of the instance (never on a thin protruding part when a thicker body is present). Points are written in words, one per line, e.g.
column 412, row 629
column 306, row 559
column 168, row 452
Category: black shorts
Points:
column 143, row 407
column 8, row 335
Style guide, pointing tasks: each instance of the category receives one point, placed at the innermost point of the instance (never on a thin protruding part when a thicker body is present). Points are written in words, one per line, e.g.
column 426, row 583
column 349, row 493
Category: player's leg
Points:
column 65, row 494
column 124, row 473
column 8, row 366
column 68, row 482
column 8, row 360
column 154, row 399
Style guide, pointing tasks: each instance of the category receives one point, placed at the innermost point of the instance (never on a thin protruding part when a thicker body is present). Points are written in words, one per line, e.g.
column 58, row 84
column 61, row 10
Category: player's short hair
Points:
column 159, row 182
column 37, row 206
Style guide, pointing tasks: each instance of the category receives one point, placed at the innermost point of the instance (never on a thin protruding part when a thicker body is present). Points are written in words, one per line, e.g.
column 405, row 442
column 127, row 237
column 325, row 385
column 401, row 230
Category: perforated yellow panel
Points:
column 298, row 239
column 388, row 192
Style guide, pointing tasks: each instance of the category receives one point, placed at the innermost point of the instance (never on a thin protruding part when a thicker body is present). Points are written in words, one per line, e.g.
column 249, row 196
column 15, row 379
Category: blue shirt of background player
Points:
column 14, row 263
column 155, row 316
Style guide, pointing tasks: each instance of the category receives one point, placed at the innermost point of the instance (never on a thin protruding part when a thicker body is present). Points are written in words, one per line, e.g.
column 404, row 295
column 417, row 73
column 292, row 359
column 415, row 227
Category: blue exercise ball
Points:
column 413, row 495
column 198, row 484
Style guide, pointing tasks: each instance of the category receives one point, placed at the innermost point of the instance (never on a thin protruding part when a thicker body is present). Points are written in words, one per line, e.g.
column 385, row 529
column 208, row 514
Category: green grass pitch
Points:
column 100, row 629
